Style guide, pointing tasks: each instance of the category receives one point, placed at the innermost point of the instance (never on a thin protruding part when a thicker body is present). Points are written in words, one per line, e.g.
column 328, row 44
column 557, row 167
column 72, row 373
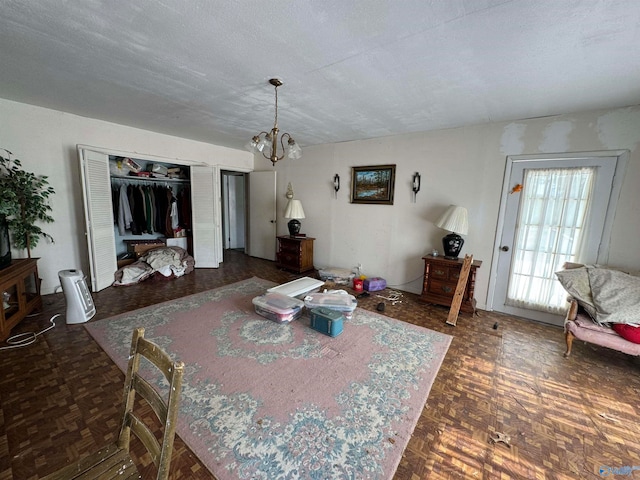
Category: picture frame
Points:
column 373, row 185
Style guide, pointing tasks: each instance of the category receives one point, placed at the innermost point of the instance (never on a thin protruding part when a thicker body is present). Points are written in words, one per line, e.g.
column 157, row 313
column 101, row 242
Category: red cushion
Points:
column 628, row 332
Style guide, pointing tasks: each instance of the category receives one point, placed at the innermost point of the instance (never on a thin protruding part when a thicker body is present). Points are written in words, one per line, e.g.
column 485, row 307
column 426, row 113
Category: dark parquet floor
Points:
column 565, row 418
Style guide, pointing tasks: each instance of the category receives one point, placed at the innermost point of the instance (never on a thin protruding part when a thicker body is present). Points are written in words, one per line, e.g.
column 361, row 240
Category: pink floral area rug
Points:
column 282, row 401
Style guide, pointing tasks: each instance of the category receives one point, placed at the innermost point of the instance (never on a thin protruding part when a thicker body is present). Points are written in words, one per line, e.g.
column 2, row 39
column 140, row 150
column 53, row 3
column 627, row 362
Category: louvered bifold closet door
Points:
column 96, row 189
column 207, row 236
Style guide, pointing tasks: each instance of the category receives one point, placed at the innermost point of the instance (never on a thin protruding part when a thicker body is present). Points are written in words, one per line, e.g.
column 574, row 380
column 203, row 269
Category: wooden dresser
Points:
column 440, row 280
column 21, row 284
column 295, row 253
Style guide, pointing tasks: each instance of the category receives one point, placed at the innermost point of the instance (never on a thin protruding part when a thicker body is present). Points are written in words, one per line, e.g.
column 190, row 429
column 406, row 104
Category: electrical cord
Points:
column 406, row 283
column 28, row 338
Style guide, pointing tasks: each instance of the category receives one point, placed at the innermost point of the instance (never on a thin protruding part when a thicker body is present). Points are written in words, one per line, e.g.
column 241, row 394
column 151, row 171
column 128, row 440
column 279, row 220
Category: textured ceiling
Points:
column 352, row 69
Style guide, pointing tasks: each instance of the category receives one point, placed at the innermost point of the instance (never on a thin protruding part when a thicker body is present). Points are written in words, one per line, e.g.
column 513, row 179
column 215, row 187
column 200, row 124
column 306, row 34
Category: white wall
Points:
column 45, row 142
column 463, row 166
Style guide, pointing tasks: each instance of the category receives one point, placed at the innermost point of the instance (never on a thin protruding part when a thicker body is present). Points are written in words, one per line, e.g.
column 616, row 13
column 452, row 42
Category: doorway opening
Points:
column 234, row 210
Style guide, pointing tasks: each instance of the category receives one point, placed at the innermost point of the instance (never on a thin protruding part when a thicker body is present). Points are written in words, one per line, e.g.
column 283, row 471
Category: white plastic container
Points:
column 177, row 242
column 159, row 169
column 278, row 307
column 340, row 276
column 342, row 302
column 298, row 288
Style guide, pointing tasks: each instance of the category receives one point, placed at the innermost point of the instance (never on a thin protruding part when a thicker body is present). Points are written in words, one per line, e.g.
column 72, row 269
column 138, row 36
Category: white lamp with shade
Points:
column 455, row 220
column 294, row 211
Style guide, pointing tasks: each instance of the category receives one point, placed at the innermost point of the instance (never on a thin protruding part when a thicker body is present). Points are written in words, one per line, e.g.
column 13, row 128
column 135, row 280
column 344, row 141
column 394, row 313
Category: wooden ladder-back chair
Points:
column 115, row 461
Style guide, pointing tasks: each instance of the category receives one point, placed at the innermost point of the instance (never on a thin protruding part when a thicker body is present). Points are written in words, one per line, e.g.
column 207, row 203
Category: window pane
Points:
column 553, row 210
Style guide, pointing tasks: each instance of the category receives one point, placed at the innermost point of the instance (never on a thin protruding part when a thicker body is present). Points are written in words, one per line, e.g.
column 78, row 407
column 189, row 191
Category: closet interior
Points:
column 151, row 204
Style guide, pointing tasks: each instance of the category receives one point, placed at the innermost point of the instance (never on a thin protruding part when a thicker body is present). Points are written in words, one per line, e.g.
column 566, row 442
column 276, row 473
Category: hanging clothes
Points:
column 132, row 202
column 161, row 208
column 184, row 206
column 150, row 209
column 115, row 202
column 138, row 211
column 154, row 207
column 125, row 218
column 168, row 222
column 175, row 221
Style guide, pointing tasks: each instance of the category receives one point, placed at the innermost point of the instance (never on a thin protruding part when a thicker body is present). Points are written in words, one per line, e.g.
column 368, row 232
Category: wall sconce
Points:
column 416, row 185
column 336, row 183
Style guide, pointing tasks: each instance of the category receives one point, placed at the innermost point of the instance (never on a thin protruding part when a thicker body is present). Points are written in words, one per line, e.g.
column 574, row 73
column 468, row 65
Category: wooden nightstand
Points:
column 440, row 280
column 295, row 253
column 20, row 281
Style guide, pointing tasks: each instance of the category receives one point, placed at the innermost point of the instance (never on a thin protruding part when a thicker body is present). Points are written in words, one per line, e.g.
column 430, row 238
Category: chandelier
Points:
column 267, row 142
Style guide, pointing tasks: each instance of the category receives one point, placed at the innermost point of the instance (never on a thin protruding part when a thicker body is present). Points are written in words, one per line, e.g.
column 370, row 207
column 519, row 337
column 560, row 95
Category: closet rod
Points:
column 150, row 179
column 140, row 181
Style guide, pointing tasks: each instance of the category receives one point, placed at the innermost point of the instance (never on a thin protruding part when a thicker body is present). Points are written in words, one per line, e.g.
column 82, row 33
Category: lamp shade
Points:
column 454, row 219
column 294, row 209
column 294, row 150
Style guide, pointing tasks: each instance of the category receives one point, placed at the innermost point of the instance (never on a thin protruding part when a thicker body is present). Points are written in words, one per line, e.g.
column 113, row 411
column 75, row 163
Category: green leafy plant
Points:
column 23, row 203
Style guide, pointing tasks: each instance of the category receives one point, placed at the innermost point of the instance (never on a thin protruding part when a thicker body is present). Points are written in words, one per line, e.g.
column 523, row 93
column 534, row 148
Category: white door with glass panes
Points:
column 554, row 210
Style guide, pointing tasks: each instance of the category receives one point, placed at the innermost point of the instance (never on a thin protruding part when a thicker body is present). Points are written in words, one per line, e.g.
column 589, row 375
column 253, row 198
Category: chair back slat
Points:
column 157, row 356
column 146, row 436
column 153, row 398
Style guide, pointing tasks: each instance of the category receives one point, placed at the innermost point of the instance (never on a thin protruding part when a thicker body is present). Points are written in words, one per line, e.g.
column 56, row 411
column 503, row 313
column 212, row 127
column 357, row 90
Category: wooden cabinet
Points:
column 440, row 279
column 295, row 253
column 20, row 288
column 140, row 247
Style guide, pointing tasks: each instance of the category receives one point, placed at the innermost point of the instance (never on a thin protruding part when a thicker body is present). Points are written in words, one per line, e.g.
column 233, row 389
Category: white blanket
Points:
column 167, row 261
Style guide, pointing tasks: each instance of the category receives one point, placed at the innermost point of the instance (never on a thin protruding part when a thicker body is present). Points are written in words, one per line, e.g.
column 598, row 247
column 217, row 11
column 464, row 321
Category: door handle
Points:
column 504, row 248
column 272, row 221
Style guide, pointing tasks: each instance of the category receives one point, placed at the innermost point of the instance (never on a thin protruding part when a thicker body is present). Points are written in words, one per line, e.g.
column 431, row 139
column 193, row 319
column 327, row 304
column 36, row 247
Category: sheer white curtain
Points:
column 551, row 222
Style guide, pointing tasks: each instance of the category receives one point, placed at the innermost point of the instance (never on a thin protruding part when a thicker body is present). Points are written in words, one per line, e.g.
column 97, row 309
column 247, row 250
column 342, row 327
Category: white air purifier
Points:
column 80, row 307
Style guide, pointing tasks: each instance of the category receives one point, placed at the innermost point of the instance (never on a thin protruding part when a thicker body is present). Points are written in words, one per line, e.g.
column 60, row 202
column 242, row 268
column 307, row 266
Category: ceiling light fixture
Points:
column 268, row 144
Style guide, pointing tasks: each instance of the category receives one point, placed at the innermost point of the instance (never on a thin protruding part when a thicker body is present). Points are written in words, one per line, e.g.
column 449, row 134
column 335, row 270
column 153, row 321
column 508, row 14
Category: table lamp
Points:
column 455, row 220
column 294, row 211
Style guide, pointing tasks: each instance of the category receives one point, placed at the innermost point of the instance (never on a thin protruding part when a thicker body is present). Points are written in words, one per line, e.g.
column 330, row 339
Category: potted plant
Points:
column 23, row 203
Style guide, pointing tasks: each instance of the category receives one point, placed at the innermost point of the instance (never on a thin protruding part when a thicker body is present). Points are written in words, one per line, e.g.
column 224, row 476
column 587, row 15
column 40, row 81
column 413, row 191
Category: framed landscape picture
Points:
column 373, row 185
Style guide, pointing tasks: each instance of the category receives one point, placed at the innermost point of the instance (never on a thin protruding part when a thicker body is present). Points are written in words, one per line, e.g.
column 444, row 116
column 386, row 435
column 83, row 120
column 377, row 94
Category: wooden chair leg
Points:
column 568, row 336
